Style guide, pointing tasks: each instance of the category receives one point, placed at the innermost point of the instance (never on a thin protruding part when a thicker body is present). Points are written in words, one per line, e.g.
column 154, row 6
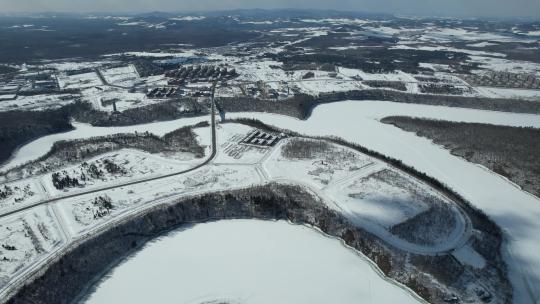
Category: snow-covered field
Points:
column 246, row 261
column 101, row 99
column 315, row 87
column 505, row 65
column 514, row 210
column 19, row 193
column 79, row 213
column 327, row 167
column 37, row 102
column 24, row 239
column 369, row 193
column 123, row 76
column 126, row 165
column 509, row 93
column 79, row 81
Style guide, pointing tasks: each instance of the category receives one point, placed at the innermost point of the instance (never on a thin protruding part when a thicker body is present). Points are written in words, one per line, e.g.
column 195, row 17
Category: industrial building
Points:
column 261, row 139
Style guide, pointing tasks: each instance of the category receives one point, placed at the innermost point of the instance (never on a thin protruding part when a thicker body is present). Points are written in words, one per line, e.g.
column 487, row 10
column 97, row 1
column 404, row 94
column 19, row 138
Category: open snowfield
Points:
column 80, row 213
column 505, row 65
column 101, row 99
column 260, row 70
column 397, row 76
column 246, row 261
column 41, row 146
column 123, row 76
column 37, row 102
column 377, row 198
column 314, row 87
column 20, row 193
column 131, row 165
column 509, row 93
column 327, row 167
column 26, row 238
column 79, row 81
column 515, row 211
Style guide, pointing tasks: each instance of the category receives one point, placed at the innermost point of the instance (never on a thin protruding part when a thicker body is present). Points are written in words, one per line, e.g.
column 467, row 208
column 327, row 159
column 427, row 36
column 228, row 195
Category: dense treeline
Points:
column 373, row 59
column 396, row 85
column 18, row 127
column 297, row 106
column 509, row 151
column 303, row 148
column 71, row 36
column 302, row 105
column 168, row 110
column 483, row 103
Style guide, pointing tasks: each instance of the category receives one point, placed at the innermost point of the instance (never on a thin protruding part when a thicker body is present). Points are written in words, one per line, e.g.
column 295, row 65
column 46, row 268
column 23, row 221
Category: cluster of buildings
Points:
column 261, row 139
column 163, row 92
column 199, row 73
column 33, row 83
column 504, row 79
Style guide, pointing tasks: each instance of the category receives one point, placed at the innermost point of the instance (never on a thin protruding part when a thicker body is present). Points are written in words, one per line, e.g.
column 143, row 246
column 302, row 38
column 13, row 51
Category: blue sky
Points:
column 498, row 8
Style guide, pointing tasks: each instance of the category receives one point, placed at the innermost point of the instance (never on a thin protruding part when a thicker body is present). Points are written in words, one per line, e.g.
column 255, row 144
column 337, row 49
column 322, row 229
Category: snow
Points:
column 79, row 81
column 514, row 210
column 33, row 235
column 152, row 54
column 135, row 164
column 41, row 146
column 37, row 102
column 509, row 93
column 261, row 70
column 533, row 33
column 469, row 256
column 481, row 44
column 395, row 76
column 337, row 21
column 124, row 99
column 19, row 193
column 330, row 166
column 7, row 97
column 123, row 76
column 505, row 65
column 448, row 49
column 78, row 213
column 379, row 200
column 230, row 149
column 267, row 22
column 74, row 65
column 317, row 86
column 436, row 34
column 246, row 261
column 188, row 18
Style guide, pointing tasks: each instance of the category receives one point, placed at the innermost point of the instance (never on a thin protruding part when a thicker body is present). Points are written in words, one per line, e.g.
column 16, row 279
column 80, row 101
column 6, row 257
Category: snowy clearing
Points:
column 25, row 239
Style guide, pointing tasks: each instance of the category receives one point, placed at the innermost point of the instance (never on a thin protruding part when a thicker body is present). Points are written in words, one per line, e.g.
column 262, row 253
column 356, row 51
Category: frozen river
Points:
column 247, row 261
column 514, row 210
